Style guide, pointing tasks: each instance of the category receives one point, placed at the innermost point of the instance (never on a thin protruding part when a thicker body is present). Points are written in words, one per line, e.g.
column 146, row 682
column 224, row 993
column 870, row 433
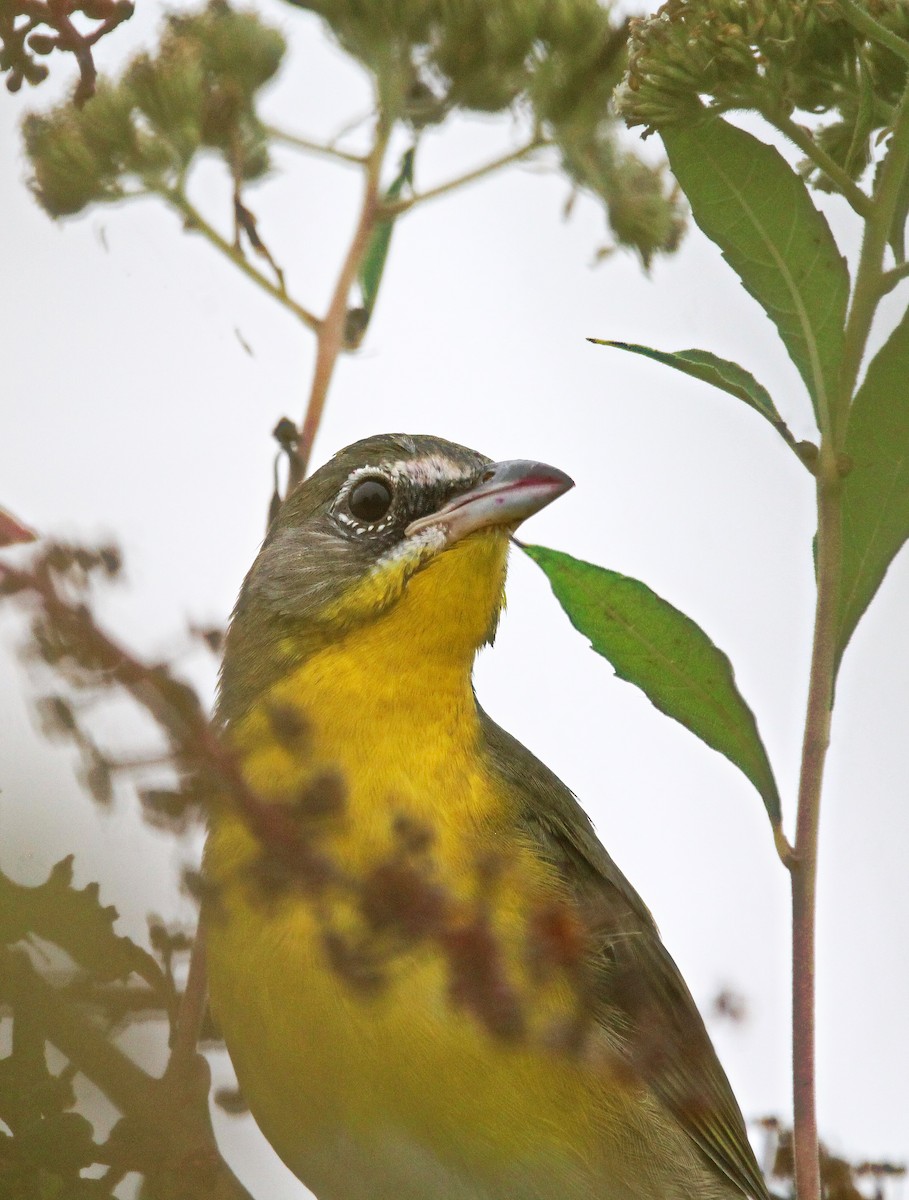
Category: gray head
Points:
column 346, row 543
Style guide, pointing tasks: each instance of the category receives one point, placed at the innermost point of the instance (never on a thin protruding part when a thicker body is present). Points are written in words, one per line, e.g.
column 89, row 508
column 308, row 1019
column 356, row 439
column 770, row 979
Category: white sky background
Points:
column 131, row 409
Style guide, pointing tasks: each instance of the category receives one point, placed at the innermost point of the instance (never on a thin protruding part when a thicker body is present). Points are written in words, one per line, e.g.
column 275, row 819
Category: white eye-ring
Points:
column 365, row 500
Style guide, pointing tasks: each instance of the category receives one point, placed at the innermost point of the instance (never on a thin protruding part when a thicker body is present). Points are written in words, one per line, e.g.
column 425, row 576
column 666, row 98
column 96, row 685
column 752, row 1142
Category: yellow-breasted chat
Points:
column 458, row 996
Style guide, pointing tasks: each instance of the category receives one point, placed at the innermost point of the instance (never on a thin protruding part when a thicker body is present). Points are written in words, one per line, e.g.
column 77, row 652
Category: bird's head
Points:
column 413, row 529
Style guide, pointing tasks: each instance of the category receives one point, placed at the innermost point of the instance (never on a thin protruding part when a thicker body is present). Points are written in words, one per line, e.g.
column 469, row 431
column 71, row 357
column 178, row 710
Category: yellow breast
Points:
column 396, row 1091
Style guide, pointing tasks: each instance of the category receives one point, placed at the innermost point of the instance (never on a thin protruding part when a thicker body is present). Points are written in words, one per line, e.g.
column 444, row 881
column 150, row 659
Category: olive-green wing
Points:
column 641, row 997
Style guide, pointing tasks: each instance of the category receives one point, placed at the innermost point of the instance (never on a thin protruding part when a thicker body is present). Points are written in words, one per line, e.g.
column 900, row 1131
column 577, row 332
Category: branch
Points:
column 18, row 56
column 196, row 222
column 890, row 279
column 860, row 19
column 131, row 1089
column 870, row 274
column 848, row 188
column 318, row 148
column 331, row 331
column 401, row 206
column 802, row 863
column 191, row 1013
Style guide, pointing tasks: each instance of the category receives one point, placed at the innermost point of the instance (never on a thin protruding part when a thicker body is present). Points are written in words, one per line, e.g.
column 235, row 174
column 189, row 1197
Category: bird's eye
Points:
column 370, row 500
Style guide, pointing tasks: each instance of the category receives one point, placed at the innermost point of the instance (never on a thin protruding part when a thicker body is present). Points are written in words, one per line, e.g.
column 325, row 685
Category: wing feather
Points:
column 640, row 995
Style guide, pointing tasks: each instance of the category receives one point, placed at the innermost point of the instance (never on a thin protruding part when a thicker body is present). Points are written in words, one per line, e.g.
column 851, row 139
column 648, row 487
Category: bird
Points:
column 433, row 981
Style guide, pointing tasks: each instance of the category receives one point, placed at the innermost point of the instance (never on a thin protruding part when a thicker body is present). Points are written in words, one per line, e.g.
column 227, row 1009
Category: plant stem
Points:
column 330, row 340
column 198, row 224
column 401, row 206
column 311, row 147
column 863, row 21
column 857, row 199
column 803, row 862
column 869, row 276
column 869, row 287
column 192, row 1008
column 890, row 279
column 130, row 1088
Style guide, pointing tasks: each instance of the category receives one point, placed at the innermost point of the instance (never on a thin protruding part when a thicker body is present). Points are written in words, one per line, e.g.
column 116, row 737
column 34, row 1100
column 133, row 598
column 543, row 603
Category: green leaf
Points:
column 373, row 263
column 748, row 200
column 876, row 490
column 720, row 373
column 660, row 650
column 75, row 920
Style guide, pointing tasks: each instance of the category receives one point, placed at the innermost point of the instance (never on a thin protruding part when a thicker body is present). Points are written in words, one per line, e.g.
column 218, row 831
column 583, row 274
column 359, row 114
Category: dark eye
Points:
column 370, row 500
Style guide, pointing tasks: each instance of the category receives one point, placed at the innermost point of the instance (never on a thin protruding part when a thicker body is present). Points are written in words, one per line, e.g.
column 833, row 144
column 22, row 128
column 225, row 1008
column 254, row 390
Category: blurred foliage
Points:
column 56, row 929
column 68, row 980
column 778, row 57
column 557, row 62
column 24, row 39
column 840, row 1179
column 553, row 64
column 197, row 92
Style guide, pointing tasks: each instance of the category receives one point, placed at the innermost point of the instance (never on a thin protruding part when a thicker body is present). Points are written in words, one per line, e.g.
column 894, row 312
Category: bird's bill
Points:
column 507, row 494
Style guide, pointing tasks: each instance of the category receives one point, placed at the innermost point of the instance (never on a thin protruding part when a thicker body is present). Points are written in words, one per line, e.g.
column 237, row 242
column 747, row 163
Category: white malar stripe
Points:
column 428, row 542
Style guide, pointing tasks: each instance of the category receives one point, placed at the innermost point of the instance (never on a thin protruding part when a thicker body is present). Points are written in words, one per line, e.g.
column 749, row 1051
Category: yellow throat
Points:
column 389, row 706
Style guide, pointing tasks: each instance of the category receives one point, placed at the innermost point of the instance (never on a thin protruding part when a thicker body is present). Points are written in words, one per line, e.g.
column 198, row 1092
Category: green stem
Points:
column 857, row 199
column 331, row 330
column 195, row 221
column 894, row 276
column 401, row 206
column 859, row 18
column 870, row 274
column 803, row 864
column 803, row 861
column 318, row 148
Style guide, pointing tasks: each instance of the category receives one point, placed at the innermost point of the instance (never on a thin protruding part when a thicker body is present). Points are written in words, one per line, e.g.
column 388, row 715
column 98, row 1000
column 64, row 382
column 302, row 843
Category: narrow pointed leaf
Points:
column 876, row 490
column 664, row 653
column 719, row 372
column 748, row 200
column 377, row 251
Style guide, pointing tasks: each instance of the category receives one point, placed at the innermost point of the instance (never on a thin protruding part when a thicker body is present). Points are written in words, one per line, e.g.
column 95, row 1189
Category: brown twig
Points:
column 197, row 224
column 330, row 335
column 20, row 46
column 191, row 1013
